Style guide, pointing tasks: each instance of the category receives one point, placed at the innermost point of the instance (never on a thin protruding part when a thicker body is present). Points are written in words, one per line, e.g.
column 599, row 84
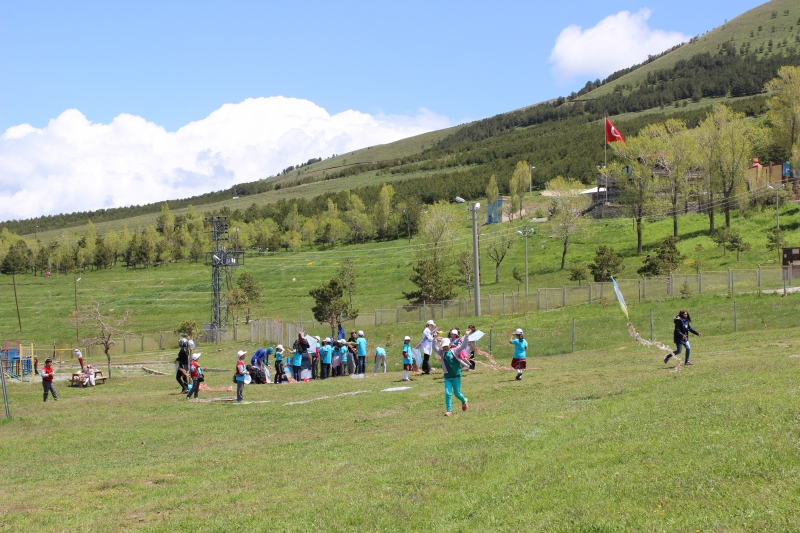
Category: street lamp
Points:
column 527, row 232
column 476, row 267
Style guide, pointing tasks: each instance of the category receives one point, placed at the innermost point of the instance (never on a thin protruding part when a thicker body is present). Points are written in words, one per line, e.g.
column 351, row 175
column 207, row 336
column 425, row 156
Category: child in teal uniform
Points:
column 451, row 365
column 326, row 355
column 343, row 351
column 279, row 375
column 520, row 352
column 408, row 357
column 361, row 346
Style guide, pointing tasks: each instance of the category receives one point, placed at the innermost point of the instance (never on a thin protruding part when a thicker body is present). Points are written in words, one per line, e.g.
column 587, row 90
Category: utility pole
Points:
column 77, row 328
column 16, row 300
column 527, row 232
column 476, row 263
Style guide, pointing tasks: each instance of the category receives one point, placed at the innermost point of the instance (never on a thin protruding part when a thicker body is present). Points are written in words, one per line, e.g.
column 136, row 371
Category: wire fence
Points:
column 729, row 283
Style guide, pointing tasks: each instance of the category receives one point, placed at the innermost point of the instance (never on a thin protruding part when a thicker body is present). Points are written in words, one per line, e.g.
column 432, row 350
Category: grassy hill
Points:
column 162, row 297
column 737, row 31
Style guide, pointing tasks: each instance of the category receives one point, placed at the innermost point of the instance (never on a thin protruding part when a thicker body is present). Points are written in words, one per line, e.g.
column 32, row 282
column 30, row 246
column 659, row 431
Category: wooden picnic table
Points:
column 77, row 378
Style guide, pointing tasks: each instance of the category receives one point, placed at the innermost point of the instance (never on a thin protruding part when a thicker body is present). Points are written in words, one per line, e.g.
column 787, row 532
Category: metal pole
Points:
column 651, row 323
column 77, row 333
column 735, row 328
column 733, row 284
column 476, row 263
column 3, row 381
column 573, row 335
column 526, row 262
column 19, row 318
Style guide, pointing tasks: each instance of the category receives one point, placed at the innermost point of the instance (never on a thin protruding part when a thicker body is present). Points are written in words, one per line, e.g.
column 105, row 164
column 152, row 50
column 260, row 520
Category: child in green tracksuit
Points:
column 452, row 377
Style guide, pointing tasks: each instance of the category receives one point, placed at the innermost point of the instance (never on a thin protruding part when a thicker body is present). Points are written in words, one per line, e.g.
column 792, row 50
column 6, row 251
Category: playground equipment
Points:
column 16, row 361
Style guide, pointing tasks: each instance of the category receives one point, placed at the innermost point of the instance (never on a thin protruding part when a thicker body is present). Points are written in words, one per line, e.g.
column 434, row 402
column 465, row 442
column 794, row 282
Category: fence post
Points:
column 733, row 284
column 546, row 303
column 236, row 332
column 538, row 299
column 142, row 341
column 784, row 280
column 589, row 284
column 424, row 311
column 735, row 327
column 729, row 279
column 651, row 323
column 563, row 296
column 644, row 287
column 375, row 317
column 671, row 284
column 758, row 277
column 442, row 308
column 639, row 290
column 573, row 335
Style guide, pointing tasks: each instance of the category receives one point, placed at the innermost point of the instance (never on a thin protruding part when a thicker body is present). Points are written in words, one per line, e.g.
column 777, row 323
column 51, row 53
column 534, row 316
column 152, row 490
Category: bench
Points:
column 77, row 378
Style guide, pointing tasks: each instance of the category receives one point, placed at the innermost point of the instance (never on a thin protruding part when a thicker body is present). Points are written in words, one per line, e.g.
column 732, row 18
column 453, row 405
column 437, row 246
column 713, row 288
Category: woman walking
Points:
column 681, row 336
column 520, row 345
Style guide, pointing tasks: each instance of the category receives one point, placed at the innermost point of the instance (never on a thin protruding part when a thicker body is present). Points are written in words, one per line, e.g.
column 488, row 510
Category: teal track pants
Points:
column 451, row 386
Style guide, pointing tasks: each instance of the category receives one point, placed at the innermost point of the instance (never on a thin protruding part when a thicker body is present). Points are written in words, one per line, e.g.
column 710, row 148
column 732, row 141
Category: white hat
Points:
column 196, row 356
column 406, row 338
column 453, row 332
column 77, row 352
column 360, row 333
column 241, row 353
column 327, row 339
column 445, row 342
column 279, row 348
column 341, row 341
column 317, row 337
column 430, row 323
column 191, row 344
column 518, row 332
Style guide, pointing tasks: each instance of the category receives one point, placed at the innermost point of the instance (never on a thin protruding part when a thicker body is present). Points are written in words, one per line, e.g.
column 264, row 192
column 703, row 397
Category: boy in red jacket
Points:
column 47, row 379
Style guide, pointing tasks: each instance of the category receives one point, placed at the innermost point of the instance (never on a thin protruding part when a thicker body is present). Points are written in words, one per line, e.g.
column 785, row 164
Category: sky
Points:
column 113, row 103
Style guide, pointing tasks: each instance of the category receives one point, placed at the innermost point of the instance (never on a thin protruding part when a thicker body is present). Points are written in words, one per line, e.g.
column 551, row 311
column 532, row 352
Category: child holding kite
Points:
column 451, row 365
column 681, row 335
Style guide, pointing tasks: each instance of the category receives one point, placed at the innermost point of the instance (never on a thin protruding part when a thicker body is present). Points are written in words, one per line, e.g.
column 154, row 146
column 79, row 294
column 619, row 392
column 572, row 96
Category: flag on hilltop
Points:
column 612, row 133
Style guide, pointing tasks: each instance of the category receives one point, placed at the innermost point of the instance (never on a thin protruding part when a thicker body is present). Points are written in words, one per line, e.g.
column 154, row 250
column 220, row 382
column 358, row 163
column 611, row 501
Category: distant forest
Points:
column 553, row 136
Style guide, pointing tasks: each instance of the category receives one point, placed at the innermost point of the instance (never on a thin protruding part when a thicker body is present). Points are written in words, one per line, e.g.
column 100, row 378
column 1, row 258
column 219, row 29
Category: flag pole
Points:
column 605, row 143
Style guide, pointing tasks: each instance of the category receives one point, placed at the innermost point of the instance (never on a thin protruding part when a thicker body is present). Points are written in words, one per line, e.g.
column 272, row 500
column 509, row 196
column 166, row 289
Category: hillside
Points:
column 754, row 26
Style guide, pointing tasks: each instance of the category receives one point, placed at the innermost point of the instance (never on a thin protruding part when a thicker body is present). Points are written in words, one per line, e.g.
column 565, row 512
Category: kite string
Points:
column 655, row 344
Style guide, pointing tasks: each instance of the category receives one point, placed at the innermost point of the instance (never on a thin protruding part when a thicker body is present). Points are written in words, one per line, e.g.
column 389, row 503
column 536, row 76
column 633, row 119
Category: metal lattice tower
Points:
column 219, row 260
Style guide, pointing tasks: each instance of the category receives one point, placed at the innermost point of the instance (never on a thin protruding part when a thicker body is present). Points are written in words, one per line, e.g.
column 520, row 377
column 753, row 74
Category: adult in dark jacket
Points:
column 681, row 336
column 182, row 370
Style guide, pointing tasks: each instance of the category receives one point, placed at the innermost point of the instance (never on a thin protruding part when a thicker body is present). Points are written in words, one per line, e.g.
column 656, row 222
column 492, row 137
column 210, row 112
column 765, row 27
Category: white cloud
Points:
column 73, row 164
column 618, row 41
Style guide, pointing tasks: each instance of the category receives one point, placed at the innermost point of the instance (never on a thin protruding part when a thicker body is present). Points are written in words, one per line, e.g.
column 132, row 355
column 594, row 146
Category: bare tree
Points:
column 105, row 325
column 567, row 206
column 499, row 243
column 439, row 228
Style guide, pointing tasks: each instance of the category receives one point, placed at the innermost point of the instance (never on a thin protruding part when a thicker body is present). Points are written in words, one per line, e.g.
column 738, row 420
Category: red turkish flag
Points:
column 612, row 133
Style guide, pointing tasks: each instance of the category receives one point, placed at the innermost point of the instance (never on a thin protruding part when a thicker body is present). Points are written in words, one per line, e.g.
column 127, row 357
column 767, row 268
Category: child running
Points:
column 452, row 377
column 520, row 352
column 195, row 372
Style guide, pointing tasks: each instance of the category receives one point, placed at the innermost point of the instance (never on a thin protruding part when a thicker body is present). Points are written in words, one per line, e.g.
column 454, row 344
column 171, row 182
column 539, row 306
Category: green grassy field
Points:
column 608, row 439
column 162, row 297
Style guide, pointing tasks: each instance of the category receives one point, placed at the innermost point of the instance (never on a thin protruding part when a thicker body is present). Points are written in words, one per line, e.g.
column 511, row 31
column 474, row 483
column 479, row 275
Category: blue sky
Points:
column 413, row 66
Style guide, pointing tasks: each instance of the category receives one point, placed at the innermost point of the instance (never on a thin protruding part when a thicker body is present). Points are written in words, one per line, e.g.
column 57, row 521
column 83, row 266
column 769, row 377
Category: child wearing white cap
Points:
column 279, row 364
column 408, row 357
column 451, row 366
column 520, row 352
column 195, row 373
column 428, row 340
column 361, row 346
column 241, row 371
